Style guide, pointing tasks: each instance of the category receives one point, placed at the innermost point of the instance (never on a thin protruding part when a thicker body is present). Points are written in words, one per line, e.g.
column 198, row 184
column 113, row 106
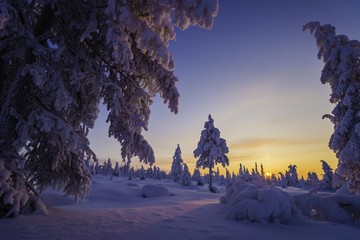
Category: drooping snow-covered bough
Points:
column 60, row 58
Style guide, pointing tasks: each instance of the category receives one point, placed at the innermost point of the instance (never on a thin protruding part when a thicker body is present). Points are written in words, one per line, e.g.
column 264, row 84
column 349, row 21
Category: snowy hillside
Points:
column 116, row 209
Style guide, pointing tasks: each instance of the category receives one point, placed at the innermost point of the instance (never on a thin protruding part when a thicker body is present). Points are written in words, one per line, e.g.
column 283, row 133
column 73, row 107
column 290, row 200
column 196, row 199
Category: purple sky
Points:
column 257, row 73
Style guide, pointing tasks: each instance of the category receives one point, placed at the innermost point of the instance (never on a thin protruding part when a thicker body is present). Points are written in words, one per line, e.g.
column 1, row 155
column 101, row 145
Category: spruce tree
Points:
column 176, row 166
column 327, row 181
column 342, row 72
column 312, row 180
column 262, row 172
column 211, row 150
column 185, row 176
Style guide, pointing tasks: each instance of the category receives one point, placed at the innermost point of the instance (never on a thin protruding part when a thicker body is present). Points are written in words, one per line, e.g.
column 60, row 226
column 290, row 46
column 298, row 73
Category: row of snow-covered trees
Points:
column 125, row 170
column 212, row 150
column 180, row 173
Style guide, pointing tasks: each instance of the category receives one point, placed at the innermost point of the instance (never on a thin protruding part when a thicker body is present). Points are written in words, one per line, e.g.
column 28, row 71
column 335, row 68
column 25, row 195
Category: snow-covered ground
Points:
column 116, row 209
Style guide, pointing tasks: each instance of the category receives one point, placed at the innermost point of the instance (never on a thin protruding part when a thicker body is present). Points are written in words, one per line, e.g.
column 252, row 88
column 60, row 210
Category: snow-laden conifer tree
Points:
column 282, row 180
column 211, row 149
column 185, row 176
column 176, row 166
column 131, row 173
column 197, row 177
column 59, row 59
column 342, row 72
column 291, row 176
column 116, row 172
column 227, row 175
column 262, row 172
column 312, row 180
column 142, row 173
column 256, row 169
column 107, row 167
column 241, row 172
column 327, row 181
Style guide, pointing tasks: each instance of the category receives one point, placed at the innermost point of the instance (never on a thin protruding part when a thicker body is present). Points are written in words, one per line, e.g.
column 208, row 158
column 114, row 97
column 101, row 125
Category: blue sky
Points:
column 257, row 73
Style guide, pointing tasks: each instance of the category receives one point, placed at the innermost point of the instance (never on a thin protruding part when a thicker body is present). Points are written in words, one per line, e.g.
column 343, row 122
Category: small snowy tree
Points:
column 262, row 172
column 149, row 172
column 256, row 169
column 142, row 173
column 312, row 180
column 342, row 72
column 227, row 175
column 327, row 181
column 185, row 176
column 157, row 173
column 60, row 58
column 292, row 176
column 131, row 173
column 116, row 172
column 282, row 180
column 107, row 167
column 211, row 149
column 241, row 171
column 197, row 177
column 176, row 166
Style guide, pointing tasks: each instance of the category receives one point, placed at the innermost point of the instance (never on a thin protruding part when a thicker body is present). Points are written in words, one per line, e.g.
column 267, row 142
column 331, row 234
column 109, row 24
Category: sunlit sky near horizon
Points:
column 257, row 73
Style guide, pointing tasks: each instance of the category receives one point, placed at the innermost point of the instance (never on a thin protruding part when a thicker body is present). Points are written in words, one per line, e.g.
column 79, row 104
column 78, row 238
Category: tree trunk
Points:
column 211, row 188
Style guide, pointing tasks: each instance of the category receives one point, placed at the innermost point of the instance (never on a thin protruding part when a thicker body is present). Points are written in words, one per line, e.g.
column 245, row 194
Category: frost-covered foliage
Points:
column 338, row 180
column 185, row 176
column 257, row 203
column 58, row 59
column 14, row 196
column 326, row 182
column 211, row 149
column 334, row 208
column 176, row 166
column 342, row 72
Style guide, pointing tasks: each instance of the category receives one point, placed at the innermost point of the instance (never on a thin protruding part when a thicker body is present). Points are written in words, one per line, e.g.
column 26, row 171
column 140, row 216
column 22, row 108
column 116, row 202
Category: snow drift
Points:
column 151, row 190
column 340, row 208
column 257, row 203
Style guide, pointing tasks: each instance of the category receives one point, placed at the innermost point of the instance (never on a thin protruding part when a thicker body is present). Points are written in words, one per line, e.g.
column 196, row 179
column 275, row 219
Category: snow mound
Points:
column 132, row 184
column 257, row 203
column 150, row 190
column 340, row 208
column 344, row 189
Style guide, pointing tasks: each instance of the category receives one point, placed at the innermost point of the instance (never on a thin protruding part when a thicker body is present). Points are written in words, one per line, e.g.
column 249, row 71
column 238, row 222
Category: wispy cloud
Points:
column 252, row 143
